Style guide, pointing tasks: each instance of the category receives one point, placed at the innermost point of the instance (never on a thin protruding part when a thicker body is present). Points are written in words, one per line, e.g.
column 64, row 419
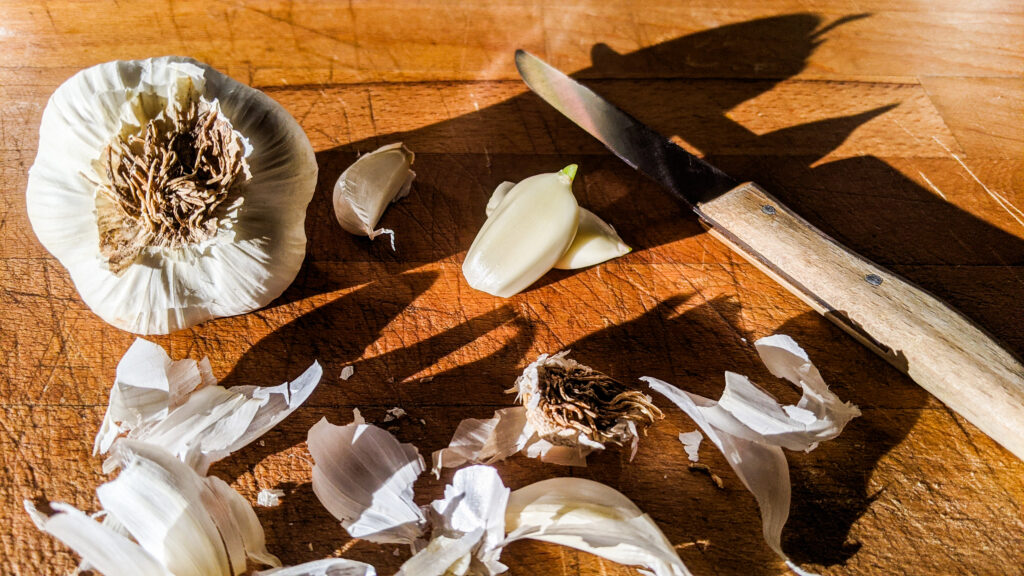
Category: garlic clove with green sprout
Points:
column 171, row 193
column 525, row 235
column 369, row 185
column 595, row 241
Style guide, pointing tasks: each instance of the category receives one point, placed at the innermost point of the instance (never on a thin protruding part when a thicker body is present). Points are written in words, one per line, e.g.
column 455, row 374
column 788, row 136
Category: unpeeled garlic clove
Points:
column 365, row 189
column 595, row 242
column 525, row 235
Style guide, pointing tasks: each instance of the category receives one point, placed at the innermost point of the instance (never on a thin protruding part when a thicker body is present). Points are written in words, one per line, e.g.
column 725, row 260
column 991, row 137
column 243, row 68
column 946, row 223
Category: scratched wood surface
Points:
column 896, row 127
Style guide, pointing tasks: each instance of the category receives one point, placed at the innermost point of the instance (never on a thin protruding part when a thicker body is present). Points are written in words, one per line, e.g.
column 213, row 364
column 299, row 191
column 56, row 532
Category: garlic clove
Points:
column 595, row 242
column 364, row 477
column 200, row 527
column 103, row 549
column 240, row 252
column 365, row 189
column 525, row 235
column 594, row 518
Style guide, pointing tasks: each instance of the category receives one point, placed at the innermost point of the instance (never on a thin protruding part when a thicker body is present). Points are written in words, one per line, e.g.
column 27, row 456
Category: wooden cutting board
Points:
column 896, row 127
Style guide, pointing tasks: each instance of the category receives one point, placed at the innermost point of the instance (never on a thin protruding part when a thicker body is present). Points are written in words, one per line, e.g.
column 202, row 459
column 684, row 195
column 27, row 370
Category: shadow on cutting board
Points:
column 863, row 202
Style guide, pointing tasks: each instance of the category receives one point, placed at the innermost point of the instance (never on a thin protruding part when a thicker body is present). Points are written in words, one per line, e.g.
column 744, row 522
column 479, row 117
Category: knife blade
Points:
column 939, row 348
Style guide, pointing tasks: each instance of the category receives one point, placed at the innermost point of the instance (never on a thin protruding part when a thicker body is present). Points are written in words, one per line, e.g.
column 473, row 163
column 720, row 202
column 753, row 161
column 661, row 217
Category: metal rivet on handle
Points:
column 768, row 209
column 873, row 279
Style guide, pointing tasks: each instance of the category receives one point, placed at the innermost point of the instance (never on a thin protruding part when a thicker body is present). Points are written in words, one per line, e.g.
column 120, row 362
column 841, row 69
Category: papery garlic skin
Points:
column 595, row 242
column 750, row 427
column 259, row 243
column 524, row 237
column 592, row 517
column 369, row 185
column 364, row 477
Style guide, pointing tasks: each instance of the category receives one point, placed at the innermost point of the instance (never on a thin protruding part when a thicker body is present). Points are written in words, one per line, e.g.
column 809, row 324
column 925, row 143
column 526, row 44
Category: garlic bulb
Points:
column 171, row 193
column 365, row 189
column 524, row 237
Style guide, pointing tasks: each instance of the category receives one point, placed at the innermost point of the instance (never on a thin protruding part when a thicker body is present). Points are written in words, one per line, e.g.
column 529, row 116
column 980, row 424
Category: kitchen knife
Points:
column 939, row 348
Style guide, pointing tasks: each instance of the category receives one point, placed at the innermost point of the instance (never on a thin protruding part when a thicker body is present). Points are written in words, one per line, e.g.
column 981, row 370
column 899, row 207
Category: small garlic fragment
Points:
column 269, row 497
column 365, row 189
column 691, row 443
column 525, row 235
column 595, row 242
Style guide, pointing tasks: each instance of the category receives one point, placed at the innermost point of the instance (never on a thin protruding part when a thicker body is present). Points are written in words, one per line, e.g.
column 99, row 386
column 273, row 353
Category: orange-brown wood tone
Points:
column 895, row 127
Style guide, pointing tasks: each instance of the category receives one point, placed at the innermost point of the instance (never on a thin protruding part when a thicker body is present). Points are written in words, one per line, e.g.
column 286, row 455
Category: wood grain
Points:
column 893, row 126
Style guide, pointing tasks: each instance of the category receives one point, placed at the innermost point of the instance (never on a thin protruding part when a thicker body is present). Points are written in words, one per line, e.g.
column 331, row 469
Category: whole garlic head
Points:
column 171, row 193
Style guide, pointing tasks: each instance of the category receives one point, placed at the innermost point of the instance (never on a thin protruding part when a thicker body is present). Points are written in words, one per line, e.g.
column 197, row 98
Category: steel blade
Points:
column 686, row 175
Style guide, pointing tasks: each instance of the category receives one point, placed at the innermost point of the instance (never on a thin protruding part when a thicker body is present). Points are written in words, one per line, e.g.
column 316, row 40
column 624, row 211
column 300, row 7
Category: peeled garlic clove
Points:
column 525, row 235
column 171, row 193
column 365, row 189
column 325, row 567
column 595, row 242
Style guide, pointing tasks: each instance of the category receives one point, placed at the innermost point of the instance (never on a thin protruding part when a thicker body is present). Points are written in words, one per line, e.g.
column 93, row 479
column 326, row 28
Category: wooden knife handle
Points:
column 939, row 348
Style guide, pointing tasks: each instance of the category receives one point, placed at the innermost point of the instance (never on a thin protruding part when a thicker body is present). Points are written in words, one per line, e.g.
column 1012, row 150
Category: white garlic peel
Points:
column 178, row 406
column 182, row 523
column 250, row 248
column 594, row 518
column 365, row 189
column 467, row 527
column 364, row 477
column 325, row 567
column 750, row 427
column 595, row 242
column 525, row 235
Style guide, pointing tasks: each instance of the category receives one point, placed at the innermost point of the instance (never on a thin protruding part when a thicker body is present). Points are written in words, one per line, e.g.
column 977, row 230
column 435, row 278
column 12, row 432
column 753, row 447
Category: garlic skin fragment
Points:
column 524, row 237
column 750, row 428
column 269, row 497
column 365, row 189
column 232, row 255
column 325, row 567
column 594, row 518
column 364, row 477
column 467, row 528
column 595, row 242
column 182, row 524
column 195, row 419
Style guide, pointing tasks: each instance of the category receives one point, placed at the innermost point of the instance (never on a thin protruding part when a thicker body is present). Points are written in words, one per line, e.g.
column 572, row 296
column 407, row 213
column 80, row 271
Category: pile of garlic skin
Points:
column 171, row 193
column 532, row 227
